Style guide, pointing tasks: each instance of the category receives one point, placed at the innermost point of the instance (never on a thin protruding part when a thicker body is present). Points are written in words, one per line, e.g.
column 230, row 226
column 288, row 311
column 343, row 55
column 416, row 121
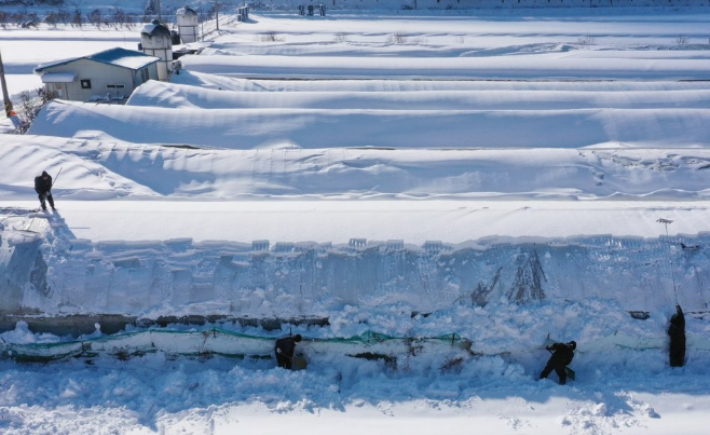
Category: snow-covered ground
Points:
column 444, row 225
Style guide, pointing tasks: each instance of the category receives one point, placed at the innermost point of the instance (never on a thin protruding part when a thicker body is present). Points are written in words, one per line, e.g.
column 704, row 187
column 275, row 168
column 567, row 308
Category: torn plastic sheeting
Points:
column 215, row 340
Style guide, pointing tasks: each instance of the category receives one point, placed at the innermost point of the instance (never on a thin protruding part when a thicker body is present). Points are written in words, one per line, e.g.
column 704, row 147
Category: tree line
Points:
column 115, row 18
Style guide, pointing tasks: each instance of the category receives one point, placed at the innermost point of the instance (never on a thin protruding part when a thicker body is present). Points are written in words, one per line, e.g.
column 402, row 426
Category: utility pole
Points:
column 160, row 12
column 216, row 12
column 5, row 96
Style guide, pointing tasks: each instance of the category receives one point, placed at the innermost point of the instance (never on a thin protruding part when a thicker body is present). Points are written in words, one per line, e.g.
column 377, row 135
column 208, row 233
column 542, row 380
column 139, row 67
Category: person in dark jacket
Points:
column 676, row 331
column 43, row 187
column 562, row 354
column 285, row 349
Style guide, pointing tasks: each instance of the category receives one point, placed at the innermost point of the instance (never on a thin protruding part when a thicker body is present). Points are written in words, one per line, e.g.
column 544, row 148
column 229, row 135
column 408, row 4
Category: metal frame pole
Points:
column 5, row 96
column 667, row 222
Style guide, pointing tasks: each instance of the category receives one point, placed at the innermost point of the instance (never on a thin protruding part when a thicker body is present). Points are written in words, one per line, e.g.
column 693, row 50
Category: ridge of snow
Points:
column 321, row 128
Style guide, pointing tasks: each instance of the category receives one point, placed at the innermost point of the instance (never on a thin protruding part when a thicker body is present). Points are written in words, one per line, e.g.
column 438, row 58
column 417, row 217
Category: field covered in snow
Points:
column 427, row 197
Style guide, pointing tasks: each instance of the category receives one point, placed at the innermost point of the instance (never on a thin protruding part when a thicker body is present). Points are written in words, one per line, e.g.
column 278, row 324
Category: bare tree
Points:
column 45, row 96
column 52, row 19
column 77, row 19
column 120, row 17
column 94, row 18
column 30, row 107
column 27, row 112
column 63, row 16
column 19, row 18
column 129, row 20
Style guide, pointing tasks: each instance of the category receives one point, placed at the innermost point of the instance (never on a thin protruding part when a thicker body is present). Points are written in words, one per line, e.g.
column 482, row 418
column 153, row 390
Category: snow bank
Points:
column 320, row 128
column 625, row 96
column 105, row 169
column 241, row 257
column 63, row 272
column 202, row 81
column 521, row 67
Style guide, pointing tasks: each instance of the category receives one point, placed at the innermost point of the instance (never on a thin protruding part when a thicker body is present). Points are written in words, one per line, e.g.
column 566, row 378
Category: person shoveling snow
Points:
column 43, row 187
column 285, row 349
column 562, row 356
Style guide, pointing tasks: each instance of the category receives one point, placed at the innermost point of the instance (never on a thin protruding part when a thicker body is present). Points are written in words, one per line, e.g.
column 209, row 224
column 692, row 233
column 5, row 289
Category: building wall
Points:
column 166, row 58
column 152, row 75
column 188, row 33
column 102, row 78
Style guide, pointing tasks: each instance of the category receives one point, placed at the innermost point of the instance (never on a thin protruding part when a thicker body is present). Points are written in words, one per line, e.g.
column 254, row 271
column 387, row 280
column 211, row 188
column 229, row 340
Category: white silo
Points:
column 188, row 22
column 157, row 41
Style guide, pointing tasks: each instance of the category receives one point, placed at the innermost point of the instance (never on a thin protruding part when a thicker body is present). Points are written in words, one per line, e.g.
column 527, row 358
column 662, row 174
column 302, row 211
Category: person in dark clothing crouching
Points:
column 562, row 354
column 285, row 349
column 676, row 331
column 43, row 187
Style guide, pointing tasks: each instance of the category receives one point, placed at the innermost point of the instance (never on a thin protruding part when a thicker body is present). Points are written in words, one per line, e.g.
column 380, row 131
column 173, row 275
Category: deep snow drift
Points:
column 320, row 128
column 47, row 268
column 429, row 95
column 236, row 258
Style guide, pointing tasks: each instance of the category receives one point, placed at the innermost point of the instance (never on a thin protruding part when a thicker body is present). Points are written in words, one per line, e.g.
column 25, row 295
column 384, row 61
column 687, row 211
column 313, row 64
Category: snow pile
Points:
column 616, row 386
column 53, row 267
column 432, row 95
column 316, row 128
column 613, row 66
column 94, row 169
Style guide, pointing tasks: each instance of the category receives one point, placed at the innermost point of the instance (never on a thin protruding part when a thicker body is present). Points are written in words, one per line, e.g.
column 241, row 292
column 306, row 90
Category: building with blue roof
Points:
column 110, row 75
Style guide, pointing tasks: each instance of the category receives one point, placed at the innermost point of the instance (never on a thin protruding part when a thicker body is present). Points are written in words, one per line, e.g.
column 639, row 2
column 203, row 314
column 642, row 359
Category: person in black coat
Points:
column 676, row 331
column 562, row 354
column 284, row 350
column 43, row 187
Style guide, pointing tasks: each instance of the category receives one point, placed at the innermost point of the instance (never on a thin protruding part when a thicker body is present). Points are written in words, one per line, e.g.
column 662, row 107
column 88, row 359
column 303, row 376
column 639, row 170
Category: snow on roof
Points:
column 186, row 10
column 450, row 95
column 329, row 128
column 58, row 77
column 547, row 66
column 43, row 66
column 117, row 56
column 155, row 28
column 125, row 58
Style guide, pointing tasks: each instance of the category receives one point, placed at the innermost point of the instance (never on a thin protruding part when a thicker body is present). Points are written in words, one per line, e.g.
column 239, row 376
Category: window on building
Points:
column 85, row 84
column 144, row 75
column 115, row 86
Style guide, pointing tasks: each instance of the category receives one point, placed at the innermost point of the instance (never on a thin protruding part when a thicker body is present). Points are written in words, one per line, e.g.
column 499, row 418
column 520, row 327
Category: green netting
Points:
column 214, row 341
column 218, row 341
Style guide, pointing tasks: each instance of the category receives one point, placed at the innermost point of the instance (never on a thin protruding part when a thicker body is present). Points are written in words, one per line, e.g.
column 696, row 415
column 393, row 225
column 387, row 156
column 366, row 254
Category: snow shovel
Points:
column 570, row 373
column 298, row 363
column 57, row 177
